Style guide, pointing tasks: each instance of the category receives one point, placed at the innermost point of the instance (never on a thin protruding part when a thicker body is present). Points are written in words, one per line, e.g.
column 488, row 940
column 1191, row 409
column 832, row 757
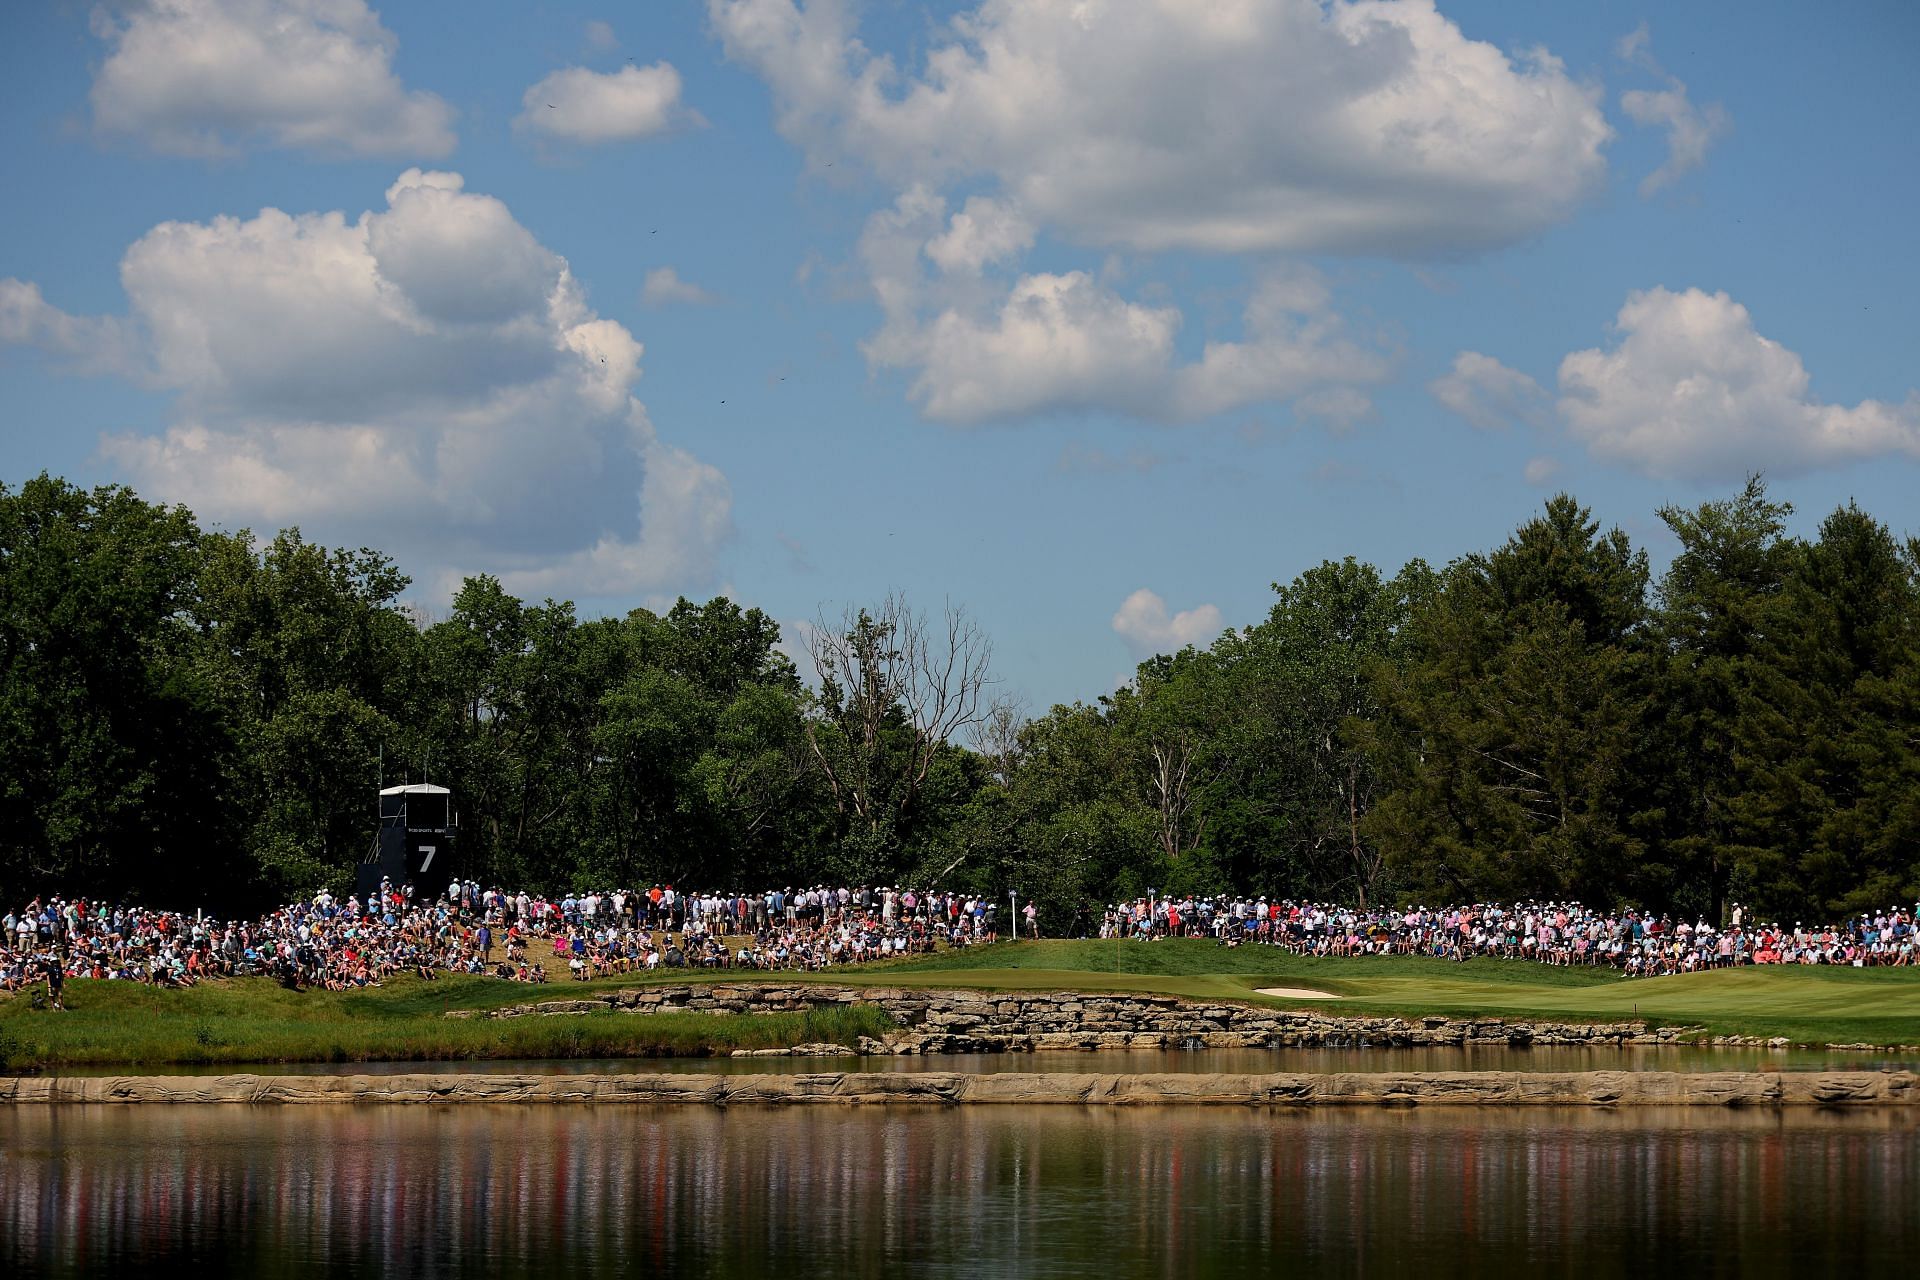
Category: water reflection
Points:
column 960, row 1192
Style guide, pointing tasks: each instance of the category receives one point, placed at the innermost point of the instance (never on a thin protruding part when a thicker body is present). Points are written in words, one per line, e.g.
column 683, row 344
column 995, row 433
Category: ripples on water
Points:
column 562, row 1191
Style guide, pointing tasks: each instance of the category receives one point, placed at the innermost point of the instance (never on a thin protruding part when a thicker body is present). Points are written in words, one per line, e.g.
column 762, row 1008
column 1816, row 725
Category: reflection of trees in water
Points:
column 970, row 1191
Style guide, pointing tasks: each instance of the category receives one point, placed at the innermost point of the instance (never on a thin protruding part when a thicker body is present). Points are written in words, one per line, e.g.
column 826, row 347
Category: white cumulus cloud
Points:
column 581, row 106
column 980, row 348
column 983, row 233
column 1488, row 394
column 1691, row 129
column 212, row 77
column 81, row 344
column 427, row 378
column 1693, row 389
column 1230, row 125
column 1144, row 623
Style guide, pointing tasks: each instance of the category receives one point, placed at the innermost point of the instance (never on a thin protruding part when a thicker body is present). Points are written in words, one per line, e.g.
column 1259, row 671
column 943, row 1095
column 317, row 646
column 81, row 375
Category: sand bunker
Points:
column 1295, row 993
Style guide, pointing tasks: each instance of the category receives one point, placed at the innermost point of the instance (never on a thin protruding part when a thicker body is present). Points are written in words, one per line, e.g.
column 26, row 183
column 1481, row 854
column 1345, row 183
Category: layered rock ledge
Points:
column 939, row 1021
column 943, row 1088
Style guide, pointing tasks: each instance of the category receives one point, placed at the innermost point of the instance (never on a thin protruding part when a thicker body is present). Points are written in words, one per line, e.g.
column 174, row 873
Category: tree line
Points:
column 195, row 717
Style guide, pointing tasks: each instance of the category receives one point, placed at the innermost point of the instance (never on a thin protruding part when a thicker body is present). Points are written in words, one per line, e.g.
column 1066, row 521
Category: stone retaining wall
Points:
column 968, row 1021
column 1449, row 1088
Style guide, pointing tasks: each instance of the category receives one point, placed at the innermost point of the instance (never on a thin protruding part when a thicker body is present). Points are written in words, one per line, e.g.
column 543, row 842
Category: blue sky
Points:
column 1096, row 318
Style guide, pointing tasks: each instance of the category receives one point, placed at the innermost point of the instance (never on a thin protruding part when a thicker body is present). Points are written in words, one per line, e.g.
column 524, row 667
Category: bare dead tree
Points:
column 886, row 667
column 998, row 737
column 856, row 661
column 1175, row 790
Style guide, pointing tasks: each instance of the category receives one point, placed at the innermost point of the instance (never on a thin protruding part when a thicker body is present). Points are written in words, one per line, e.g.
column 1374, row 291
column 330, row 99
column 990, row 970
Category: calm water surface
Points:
column 964, row 1192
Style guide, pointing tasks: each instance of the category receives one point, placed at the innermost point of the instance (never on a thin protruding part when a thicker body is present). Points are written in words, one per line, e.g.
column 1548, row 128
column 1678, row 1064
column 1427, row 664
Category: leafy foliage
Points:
column 190, row 714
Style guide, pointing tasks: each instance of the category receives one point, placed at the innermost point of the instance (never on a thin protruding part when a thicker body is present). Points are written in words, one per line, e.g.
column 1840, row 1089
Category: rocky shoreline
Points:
column 949, row 1021
column 940, row 1088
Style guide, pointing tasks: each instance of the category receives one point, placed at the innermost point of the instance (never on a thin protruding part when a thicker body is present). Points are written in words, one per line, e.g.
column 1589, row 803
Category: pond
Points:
column 960, row 1192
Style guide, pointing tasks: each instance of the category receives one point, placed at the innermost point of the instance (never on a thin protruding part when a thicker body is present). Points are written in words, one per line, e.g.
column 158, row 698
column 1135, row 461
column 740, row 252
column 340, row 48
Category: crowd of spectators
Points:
column 343, row 944
column 605, row 933
column 1556, row 933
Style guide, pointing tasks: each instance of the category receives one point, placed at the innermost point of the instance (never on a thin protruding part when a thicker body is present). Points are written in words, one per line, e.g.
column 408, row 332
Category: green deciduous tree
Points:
column 112, row 739
column 192, row 714
column 1305, row 683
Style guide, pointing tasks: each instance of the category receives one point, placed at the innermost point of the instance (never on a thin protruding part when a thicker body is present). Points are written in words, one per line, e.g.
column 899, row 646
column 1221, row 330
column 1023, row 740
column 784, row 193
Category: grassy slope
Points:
column 255, row 1020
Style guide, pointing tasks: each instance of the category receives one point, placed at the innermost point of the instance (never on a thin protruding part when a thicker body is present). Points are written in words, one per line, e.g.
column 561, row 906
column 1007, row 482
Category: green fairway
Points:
column 256, row 1020
column 1808, row 1004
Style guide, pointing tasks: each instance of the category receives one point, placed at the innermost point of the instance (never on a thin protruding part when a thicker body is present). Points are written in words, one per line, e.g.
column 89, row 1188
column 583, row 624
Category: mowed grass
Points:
column 1808, row 1004
column 257, row 1021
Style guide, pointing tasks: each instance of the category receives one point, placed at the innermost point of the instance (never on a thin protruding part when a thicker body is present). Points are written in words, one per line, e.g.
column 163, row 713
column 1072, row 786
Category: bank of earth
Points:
column 1880, row 1089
